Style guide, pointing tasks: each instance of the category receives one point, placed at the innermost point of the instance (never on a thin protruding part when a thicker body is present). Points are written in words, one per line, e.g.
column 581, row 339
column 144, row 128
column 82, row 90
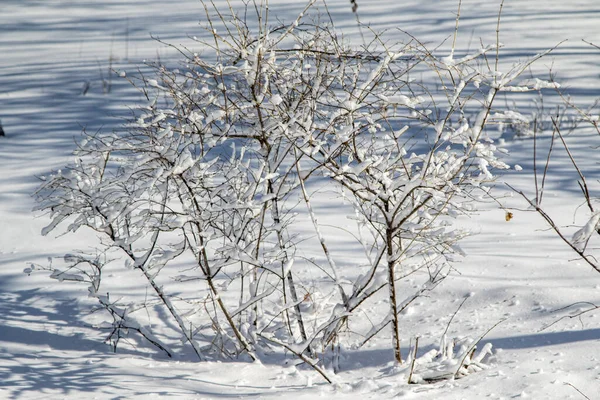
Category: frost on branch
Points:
column 199, row 198
column 582, row 236
column 455, row 359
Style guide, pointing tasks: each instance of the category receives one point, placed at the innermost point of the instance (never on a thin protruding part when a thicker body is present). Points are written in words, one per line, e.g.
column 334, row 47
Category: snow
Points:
column 519, row 274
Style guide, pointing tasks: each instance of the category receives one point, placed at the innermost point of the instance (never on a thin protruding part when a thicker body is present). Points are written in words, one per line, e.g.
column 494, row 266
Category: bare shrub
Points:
column 201, row 189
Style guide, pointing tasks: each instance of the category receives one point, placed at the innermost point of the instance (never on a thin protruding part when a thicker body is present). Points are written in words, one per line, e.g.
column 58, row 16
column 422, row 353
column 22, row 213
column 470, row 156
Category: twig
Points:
column 584, row 185
column 474, row 346
column 577, row 315
column 535, row 175
column 455, row 30
column 541, row 193
column 591, row 44
column 580, row 392
column 498, row 40
column 300, row 354
column 555, row 228
column 313, row 218
column 453, row 315
column 412, row 364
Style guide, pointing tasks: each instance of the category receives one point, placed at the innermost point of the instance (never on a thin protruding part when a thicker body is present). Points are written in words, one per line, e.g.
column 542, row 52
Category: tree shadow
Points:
column 544, row 339
column 45, row 347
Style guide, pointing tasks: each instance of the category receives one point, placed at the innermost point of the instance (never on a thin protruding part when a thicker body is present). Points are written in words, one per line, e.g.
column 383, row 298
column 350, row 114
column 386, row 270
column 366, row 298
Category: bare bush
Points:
column 202, row 186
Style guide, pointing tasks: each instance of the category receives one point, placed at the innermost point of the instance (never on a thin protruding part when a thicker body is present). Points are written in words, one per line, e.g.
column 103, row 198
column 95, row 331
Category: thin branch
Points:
column 470, row 351
column 579, row 391
column 584, row 188
column 555, row 228
column 453, row 315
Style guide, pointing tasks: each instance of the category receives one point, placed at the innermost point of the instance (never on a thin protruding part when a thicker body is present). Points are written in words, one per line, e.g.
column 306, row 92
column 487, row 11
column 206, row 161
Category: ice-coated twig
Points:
column 468, row 356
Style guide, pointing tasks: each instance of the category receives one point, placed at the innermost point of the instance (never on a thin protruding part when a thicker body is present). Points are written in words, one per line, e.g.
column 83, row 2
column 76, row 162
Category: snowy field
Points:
column 55, row 80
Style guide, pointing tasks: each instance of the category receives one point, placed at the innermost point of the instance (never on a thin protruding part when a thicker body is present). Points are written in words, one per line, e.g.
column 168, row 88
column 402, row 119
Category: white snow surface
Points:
column 517, row 272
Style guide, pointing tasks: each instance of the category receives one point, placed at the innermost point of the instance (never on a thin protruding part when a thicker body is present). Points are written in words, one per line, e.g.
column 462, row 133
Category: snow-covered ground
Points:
column 518, row 272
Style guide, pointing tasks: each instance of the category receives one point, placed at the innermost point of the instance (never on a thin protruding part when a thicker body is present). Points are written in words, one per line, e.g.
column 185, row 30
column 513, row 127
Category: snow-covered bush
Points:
column 198, row 195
